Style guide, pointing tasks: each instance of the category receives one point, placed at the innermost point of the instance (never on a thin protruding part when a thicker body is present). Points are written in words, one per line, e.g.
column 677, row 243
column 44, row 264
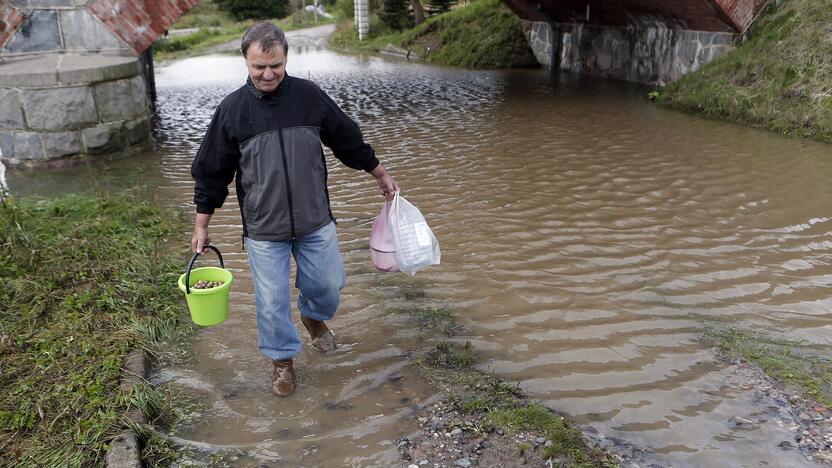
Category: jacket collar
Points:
column 264, row 95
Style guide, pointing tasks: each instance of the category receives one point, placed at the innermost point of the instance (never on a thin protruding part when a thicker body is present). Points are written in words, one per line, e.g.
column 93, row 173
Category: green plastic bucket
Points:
column 208, row 307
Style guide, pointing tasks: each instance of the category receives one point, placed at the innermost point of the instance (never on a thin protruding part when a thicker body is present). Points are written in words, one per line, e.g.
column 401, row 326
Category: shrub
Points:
column 255, row 9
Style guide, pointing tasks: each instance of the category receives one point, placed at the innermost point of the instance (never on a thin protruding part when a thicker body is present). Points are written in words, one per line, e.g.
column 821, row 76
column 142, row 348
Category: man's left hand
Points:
column 386, row 183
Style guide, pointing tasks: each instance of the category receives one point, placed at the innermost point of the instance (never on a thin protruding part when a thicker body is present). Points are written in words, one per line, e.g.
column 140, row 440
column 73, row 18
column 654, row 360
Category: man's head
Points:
column 265, row 49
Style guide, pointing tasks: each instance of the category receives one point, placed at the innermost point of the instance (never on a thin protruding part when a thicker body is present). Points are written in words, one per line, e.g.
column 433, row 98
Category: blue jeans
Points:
column 320, row 278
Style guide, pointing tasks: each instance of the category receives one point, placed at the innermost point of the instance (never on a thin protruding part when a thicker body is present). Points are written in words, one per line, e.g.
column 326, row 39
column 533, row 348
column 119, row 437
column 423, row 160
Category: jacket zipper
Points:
column 288, row 185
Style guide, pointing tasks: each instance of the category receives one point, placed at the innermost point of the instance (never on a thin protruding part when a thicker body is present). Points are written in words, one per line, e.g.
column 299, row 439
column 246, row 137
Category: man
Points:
column 269, row 133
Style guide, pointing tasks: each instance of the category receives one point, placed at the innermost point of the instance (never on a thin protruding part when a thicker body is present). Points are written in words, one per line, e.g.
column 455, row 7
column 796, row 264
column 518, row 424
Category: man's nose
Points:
column 268, row 74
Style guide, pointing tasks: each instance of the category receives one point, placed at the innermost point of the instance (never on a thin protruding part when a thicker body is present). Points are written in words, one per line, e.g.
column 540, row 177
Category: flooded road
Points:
column 587, row 238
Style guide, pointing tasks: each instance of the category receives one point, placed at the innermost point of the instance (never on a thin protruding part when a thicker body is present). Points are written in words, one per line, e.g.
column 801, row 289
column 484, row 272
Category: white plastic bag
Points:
column 416, row 246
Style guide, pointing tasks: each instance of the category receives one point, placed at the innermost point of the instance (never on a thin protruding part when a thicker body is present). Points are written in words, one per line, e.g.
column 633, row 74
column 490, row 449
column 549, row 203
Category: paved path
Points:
column 314, row 37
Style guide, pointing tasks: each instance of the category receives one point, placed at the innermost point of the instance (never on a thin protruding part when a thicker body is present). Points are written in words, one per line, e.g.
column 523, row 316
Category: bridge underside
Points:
column 700, row 15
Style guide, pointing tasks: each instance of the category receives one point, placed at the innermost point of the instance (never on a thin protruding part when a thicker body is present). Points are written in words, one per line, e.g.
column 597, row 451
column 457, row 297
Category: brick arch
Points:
column 139, row 22
column 10, row 19
column 703, row 15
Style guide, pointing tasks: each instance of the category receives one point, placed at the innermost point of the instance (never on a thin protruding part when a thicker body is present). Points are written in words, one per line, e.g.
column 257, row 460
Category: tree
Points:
column 418, row 11
column 255, row 9
column 436, row 7
column 395, row 14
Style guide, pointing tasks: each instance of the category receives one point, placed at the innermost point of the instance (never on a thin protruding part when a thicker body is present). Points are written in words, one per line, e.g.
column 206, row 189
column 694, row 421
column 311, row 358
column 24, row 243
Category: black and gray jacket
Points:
column 272, row 143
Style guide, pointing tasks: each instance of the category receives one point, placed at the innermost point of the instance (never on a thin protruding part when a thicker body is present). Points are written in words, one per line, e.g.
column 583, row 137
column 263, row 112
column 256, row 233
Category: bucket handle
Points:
column 191, row 264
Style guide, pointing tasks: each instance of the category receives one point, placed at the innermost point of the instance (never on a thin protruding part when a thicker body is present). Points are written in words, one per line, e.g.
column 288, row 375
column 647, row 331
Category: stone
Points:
column 60, row 144
column 121, row 99
column 456, row 431
column 11, row 111
column 30, row 71
column 124, row 452
column 60, row 108
column 28, row 146
column 138, row 131
column 82, row 31
column 37, row 33
column 462, row 462
column 6, row 146
column 45, row 3
column 104, row 138
column 76, row 69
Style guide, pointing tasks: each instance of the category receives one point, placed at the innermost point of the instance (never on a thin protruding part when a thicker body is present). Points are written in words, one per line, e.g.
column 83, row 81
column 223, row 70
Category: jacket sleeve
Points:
column 214, row 166
column 342, row 135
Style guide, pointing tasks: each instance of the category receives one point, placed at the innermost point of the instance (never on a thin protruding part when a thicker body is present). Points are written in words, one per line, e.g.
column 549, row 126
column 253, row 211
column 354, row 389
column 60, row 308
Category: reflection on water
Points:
column 587, row 239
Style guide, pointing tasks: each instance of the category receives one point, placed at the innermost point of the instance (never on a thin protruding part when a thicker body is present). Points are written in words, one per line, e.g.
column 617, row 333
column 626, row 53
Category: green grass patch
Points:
column 448, row 366
column 779, row 79
column 85, row 280
column 482, row 34
column 203, row 15
column 779, row 359
column 175, row 47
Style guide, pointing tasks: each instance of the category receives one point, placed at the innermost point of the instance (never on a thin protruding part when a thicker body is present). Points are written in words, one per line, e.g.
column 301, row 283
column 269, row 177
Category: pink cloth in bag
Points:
column 382, row 249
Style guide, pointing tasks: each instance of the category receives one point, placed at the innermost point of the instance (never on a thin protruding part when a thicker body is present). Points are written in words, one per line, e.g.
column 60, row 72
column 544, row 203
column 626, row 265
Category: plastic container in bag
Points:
column 382, row 247
column 416, row 246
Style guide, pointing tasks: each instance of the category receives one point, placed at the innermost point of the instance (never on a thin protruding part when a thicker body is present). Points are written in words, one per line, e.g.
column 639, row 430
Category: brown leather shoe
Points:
column 322, row 339
column 283, row 378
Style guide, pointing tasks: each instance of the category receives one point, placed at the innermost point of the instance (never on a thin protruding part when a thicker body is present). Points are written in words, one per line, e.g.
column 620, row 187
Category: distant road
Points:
column 315, row 37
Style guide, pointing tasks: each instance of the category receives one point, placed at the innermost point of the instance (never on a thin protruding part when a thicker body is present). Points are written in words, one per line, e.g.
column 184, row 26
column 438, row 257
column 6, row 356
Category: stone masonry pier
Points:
column 54, row 107
column 75, row 76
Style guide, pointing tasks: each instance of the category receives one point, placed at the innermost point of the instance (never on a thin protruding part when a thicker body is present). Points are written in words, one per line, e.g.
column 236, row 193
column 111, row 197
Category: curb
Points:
column 124, row 448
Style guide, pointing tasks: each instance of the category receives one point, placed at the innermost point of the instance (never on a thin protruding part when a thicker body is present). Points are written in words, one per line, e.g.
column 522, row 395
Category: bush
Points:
column 255, row 9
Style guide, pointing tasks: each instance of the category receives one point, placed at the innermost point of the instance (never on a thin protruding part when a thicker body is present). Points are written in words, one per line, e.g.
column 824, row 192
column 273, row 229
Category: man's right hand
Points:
column 200, row 237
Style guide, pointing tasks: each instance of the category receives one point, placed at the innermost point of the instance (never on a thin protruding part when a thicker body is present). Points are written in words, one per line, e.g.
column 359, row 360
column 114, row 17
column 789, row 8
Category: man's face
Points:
column 266, row 69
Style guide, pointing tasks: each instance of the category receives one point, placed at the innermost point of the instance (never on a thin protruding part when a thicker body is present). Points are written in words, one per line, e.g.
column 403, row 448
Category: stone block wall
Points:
column 58, row 26
column 643, row 53
column 71, row 79
column 71, row 111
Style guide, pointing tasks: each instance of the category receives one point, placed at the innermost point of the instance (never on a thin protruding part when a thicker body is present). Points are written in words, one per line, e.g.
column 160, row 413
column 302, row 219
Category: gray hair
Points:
column 266, row 34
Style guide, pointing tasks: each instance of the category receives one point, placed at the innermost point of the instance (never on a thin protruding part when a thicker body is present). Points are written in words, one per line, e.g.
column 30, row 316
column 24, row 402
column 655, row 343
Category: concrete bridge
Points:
column 76, row 78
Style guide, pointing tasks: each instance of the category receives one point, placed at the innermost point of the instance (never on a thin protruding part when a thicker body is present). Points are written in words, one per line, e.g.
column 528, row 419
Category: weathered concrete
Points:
column 648, row 52
column 124, row 452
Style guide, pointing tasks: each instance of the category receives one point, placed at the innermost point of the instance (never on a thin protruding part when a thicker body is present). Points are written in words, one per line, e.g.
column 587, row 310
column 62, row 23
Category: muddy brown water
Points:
column 588, row 238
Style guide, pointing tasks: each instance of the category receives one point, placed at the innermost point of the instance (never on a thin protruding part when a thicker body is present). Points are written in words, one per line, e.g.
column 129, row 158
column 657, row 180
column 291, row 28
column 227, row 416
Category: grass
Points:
column 482, row 34
column 501, row 405
column 85, row 280
column 779, row 359
column 779, row 79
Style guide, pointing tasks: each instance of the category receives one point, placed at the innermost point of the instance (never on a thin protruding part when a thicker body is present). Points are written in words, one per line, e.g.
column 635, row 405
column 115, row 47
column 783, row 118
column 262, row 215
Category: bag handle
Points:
column 191, row 264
